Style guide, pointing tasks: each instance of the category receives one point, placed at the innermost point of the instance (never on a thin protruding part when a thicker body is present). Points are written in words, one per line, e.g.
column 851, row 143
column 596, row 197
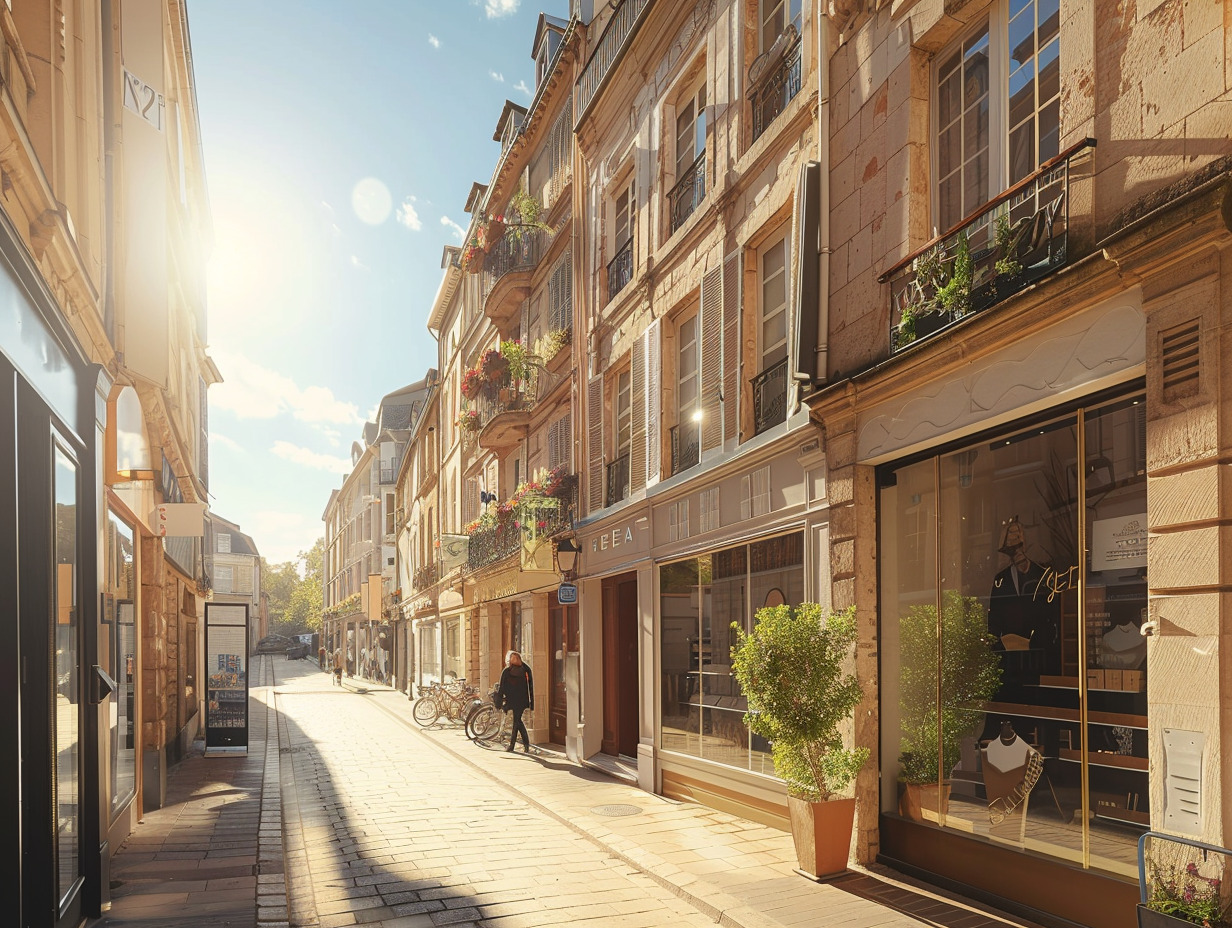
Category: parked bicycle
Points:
column 489, row 725
column 451, row 701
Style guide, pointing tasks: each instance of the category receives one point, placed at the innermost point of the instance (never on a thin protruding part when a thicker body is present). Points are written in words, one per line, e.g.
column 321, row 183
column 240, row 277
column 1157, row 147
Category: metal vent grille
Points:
column 1183, row 780
column 1179, row 348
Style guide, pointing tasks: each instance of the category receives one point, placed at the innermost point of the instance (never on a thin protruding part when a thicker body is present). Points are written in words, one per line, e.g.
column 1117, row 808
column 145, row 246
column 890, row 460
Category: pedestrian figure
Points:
column 338, row 666
column 321, row 657
column 517, row 692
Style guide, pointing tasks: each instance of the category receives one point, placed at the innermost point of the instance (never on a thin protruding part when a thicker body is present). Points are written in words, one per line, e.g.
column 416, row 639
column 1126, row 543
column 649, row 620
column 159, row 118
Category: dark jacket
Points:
column 517, row 687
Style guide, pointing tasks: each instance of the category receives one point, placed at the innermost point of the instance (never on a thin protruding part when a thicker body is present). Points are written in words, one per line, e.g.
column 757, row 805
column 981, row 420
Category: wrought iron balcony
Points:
column 686, row 445
column 620, row 269
column 505, row 408
column 616, row 34
column 504, row 539
column 776, row 88
column 770, row 397
column 617, row 479
column 1006, row 245
column 389, row 474
column 508, row 269
column 425, row 576
column 689, row 191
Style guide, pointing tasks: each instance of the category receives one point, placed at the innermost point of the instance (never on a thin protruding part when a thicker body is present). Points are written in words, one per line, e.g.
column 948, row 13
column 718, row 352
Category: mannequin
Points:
column 1019, row 613
column 1011, row 769
column 1123, row 647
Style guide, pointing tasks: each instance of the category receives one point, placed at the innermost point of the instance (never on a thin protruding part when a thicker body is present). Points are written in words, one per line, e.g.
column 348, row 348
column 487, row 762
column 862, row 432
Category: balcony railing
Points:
column 1009, row 243
column 424, row 576
column 689, row 191
column 521, row 395
column 388, row 474
column 770, row 397
column 504, row 539
column 686, row 445
column 618, row 479
column 775, row 90
column 517, row 251
column 608, row 49
column 620, row 269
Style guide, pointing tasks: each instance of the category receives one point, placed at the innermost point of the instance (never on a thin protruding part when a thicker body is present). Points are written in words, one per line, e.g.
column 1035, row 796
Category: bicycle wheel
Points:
column 425, row 711
column 481, row 721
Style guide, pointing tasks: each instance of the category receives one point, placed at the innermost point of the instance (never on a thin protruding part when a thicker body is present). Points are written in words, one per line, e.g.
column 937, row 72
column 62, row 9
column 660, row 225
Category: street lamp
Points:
column 567, row 551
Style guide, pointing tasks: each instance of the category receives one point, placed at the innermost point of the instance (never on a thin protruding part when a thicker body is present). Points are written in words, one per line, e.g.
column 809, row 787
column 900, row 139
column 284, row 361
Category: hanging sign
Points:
column 567, row 594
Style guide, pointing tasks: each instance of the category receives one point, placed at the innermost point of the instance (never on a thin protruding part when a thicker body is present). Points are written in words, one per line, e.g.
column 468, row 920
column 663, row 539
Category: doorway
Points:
column 620, row 667
column 563, row 623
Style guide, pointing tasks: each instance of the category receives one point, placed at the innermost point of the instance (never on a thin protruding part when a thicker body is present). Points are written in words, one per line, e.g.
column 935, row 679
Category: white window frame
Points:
column 685, row 414
column 622, row 406
column 627, row 189
column 998, row 25
column 697, row 98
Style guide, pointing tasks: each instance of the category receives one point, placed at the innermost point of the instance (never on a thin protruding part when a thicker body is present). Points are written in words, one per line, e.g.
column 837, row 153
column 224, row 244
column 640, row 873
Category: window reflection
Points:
column 118, row 626
column 702, row 706
column 984, row 735
column 65, row 695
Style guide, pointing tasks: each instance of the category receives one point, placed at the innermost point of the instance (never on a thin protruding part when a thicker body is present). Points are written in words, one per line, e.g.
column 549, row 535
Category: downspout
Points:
column 821, row 365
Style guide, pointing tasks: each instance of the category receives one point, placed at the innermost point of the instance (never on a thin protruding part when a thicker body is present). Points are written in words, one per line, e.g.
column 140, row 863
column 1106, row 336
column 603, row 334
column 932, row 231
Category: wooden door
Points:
column 620, row 670
column 611, row 671
column 558, row 617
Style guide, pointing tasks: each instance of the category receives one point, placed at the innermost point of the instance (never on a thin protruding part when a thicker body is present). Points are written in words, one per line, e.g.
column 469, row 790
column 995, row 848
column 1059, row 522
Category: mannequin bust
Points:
column 1123, row 648
column 1007, row 751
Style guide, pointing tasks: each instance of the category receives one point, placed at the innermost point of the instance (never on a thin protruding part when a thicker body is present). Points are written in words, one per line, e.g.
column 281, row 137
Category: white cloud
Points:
column 496, row 76
column 458, row 231
column 433, row 41
column 521, row 85
column 251, row 391
column 281, row 535
column 357, row 264
column 333, row 436
column 218, row 439
column 407, row 215
column 309, row 458
column 498, row 8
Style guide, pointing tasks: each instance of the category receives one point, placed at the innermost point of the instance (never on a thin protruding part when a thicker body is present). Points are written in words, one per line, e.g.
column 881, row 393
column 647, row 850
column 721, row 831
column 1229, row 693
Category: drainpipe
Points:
column 821, row 361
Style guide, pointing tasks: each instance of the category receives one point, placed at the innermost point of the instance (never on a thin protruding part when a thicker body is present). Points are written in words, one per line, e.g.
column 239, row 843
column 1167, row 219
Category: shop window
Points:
column 118, row 637
column 702, row 708
column 997, row 112
column 990, row 666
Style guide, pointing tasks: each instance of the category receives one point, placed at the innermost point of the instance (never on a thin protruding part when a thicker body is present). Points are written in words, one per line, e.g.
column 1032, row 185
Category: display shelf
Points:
column 1062, row 714
column 1105, row 759
column 1126, row 816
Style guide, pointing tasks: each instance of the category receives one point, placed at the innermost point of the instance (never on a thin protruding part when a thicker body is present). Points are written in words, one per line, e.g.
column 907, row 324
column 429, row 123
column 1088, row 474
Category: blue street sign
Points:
column 567, row 594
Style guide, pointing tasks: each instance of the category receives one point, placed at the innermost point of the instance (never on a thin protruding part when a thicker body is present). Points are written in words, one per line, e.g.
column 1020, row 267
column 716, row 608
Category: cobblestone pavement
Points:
column 401, row 834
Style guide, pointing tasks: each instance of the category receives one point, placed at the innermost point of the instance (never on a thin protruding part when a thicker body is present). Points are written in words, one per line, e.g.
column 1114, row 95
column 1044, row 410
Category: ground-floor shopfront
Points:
column 1033, row 542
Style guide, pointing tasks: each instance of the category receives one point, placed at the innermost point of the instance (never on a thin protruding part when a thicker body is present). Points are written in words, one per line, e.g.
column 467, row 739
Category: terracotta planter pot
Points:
column 493, row 234
column 822, row 834
column 918, row 798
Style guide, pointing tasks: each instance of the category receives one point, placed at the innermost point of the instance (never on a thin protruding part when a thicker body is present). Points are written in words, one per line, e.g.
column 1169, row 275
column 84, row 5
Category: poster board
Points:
column 226, row 678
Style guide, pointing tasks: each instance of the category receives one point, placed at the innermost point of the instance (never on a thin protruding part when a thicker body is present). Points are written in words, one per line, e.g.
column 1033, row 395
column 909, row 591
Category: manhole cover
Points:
column 616, row 810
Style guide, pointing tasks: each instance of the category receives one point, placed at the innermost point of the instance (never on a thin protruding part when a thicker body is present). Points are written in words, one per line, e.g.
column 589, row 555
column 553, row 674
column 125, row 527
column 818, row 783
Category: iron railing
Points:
column 517, row 251
column 616, row 34
column 620, row 269
column 504, row 539
column 425, row 576
column 770, row 397
column 617, row 479
column 1007, row 244
column 686, row 445
column 510, row 395
column 388, row 474
column 775, row 90
column 689, row 191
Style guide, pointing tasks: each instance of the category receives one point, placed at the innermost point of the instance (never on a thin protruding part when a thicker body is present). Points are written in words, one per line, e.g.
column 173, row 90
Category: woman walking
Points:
column 517, row 690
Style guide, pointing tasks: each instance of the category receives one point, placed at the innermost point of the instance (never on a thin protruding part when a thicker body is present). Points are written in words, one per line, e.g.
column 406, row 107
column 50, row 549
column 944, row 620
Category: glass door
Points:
column 66, row 684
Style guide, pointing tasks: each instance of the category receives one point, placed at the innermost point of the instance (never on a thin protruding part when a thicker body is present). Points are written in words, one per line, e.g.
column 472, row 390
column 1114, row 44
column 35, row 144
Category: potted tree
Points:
column 931, row 734
column 794, row 670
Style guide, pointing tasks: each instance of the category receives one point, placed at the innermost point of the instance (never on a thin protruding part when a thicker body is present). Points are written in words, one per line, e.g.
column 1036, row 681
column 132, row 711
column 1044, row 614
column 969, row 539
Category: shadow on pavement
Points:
column 919, row 904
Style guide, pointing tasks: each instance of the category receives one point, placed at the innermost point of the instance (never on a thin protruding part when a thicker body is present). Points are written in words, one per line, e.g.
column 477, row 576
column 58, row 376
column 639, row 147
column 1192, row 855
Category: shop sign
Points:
column 1118, row 544
column 498, row 586
column 621, row 535
column 182, row 520
column 567, row 594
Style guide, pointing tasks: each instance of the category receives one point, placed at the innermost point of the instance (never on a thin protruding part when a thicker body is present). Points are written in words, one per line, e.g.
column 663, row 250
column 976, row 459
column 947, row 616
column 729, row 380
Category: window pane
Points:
column 949, row 151
column 1049, row 16
column 950, row 203
column 975, row 187
column 679, row 644
column 1022, row 157
column 1022, row 38
column 67, row 684
column 975, row 74
column 1049, row 133
column 1050, row 72
column 1022, row 95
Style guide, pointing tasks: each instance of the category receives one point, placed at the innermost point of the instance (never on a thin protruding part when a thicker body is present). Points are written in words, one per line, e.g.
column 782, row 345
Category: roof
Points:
column 240, row 542
column 554, row 23
column 509, row 110
column 475, row 197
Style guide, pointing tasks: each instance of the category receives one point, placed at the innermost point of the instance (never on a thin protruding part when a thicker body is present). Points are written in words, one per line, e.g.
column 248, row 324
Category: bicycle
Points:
column 453, row 701
column 490, row 727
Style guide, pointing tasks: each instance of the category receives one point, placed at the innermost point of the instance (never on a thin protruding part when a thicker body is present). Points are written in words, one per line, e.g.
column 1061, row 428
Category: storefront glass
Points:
column 66, row 698
column 454, row 656
column 430, row 653
column 699, row 599
column 983, row 709
column 120, row 648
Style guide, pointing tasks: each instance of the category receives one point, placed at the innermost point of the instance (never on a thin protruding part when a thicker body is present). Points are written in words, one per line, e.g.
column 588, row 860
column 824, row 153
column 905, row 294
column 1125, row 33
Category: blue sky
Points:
column 340, row 142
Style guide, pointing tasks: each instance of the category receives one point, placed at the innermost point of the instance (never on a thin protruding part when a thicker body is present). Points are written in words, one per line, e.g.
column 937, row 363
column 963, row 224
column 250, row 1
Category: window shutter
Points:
column 731, row 346
column 558, row 442
column 654, row 404
column 712, row 357
column 594, row 443
column 637, row 449
column 560, row 295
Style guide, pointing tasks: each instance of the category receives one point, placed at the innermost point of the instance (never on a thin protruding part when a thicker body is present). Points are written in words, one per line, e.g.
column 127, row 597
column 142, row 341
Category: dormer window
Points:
column 548, row 34
column 511, row 119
